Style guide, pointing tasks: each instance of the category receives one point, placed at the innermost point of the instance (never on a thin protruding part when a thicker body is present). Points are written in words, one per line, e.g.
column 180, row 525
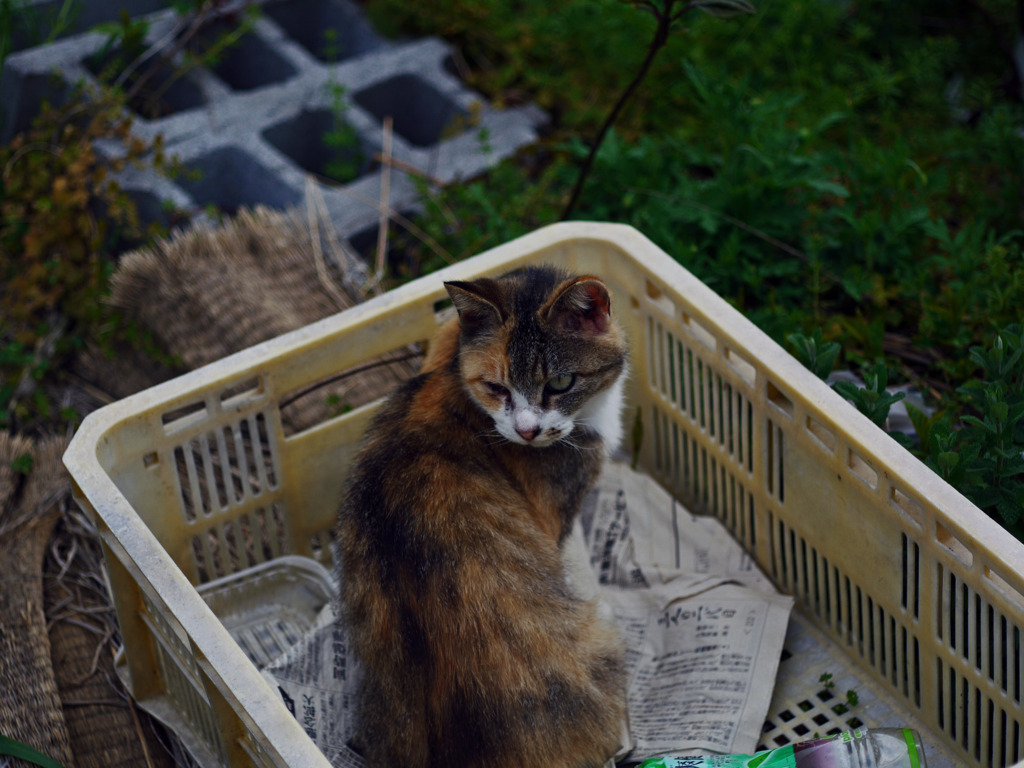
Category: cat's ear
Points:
column 478, row 304
column 580, row 304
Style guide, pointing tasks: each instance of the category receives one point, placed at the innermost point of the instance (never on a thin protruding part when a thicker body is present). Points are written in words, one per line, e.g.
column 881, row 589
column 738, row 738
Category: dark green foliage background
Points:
column 856, row 168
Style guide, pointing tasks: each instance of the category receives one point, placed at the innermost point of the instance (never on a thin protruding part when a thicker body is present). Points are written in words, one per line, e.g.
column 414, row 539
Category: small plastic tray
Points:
column 269, row 607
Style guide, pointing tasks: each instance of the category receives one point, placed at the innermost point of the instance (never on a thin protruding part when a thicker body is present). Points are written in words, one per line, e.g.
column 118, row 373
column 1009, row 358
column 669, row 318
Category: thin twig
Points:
column 385, row 203
column 223, row 43
column 95, row 659
column 657, row 42
column 139, row 732
column 22, row 151
column 103, row 632
column 313, row 201
column 92, row 703
column 409, row 168
column 666, row 18
column 398, row 218
column 67, row 561
column 149, row 53
column 91, row 389
column 197, row 23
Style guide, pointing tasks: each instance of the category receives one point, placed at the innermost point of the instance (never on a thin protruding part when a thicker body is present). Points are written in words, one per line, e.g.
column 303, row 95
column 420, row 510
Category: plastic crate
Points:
column 905, row 591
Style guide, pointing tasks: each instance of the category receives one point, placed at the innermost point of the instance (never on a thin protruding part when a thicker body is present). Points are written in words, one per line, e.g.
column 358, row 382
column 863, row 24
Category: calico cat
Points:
column 474, row 650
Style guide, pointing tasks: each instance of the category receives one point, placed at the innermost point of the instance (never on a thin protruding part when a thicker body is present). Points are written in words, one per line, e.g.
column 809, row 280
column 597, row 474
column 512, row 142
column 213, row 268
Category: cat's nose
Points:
column 528, row 434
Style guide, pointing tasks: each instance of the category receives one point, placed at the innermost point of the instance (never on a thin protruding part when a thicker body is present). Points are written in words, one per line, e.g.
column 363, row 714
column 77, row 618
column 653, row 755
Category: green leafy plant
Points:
column 62, row 212
column 668, row 15
column 984, row 458
column 347, row 159
column 851, row 700
column 34, row 24
column 24, row 752
column 817, row 355
column 873, row 399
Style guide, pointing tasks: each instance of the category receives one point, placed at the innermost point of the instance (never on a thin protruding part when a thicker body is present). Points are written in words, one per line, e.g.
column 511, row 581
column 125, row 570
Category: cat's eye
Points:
column 496, row 389
column 558, row 384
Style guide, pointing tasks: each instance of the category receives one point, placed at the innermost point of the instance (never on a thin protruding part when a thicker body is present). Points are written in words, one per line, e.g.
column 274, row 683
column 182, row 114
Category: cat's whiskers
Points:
column 568, row 441
column 493, row 436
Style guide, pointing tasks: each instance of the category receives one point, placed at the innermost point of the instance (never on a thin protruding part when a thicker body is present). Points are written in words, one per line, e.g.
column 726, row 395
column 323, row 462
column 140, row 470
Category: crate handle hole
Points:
column 822, row 434
column 741, row 365
column 907, row 505
column 778, row 399
column 185, row 416
column 660, row 300
column 699, row 332
column 244, row 391
column 1004, row 586
column 952, row 544
column 862, row 469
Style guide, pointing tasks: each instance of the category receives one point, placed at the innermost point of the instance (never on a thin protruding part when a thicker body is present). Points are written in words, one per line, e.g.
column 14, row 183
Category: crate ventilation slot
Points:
column 775, row 472
column 911, row 582
column 189, row 701
column 243, row 393
column 986, row 729
column 712, row 403
column 702, row 480
column 778, row 399
column 221, row 469
column 979, row 633
column 858, row 621
column 658, row 299
column 824, row 436
column 254, row 538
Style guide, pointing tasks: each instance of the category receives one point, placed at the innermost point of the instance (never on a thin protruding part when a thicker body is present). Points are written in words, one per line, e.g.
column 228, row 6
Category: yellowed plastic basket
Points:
column 906, row 593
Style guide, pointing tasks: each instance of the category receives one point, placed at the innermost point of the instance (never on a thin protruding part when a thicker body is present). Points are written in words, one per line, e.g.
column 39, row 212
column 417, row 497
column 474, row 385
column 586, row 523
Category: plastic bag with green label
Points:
column 863, row 748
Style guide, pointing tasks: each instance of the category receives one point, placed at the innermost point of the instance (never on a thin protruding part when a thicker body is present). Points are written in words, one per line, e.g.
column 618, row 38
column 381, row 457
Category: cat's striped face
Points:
column 540, row 354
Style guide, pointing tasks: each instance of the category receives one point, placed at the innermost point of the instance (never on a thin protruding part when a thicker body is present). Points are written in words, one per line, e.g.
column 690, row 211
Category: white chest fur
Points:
column 603, row 413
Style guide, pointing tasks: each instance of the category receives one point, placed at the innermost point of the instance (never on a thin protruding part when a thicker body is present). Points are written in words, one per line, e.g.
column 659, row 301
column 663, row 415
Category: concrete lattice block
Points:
column 252, row 128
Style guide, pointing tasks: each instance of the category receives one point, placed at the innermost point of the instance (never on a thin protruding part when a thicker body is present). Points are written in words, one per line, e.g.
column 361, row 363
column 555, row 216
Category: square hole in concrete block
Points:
column 44, row 21
column 156, row 217
column 230, row 178
column 35, row 90
column 165, row 89
column 422, row 115
column 331, row 30
column 320, row 142
column 246, row 63
column 155, row 210
column 410, row 251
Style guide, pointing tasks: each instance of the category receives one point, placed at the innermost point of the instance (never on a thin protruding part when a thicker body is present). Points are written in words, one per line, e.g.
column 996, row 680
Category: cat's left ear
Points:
column 479, row 304
column 580, row 304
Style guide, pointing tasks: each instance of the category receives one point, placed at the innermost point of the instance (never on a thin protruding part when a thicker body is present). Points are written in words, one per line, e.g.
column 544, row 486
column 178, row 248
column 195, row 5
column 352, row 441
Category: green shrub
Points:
column 984, row 457
column 62, row 212
column 866, row 202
